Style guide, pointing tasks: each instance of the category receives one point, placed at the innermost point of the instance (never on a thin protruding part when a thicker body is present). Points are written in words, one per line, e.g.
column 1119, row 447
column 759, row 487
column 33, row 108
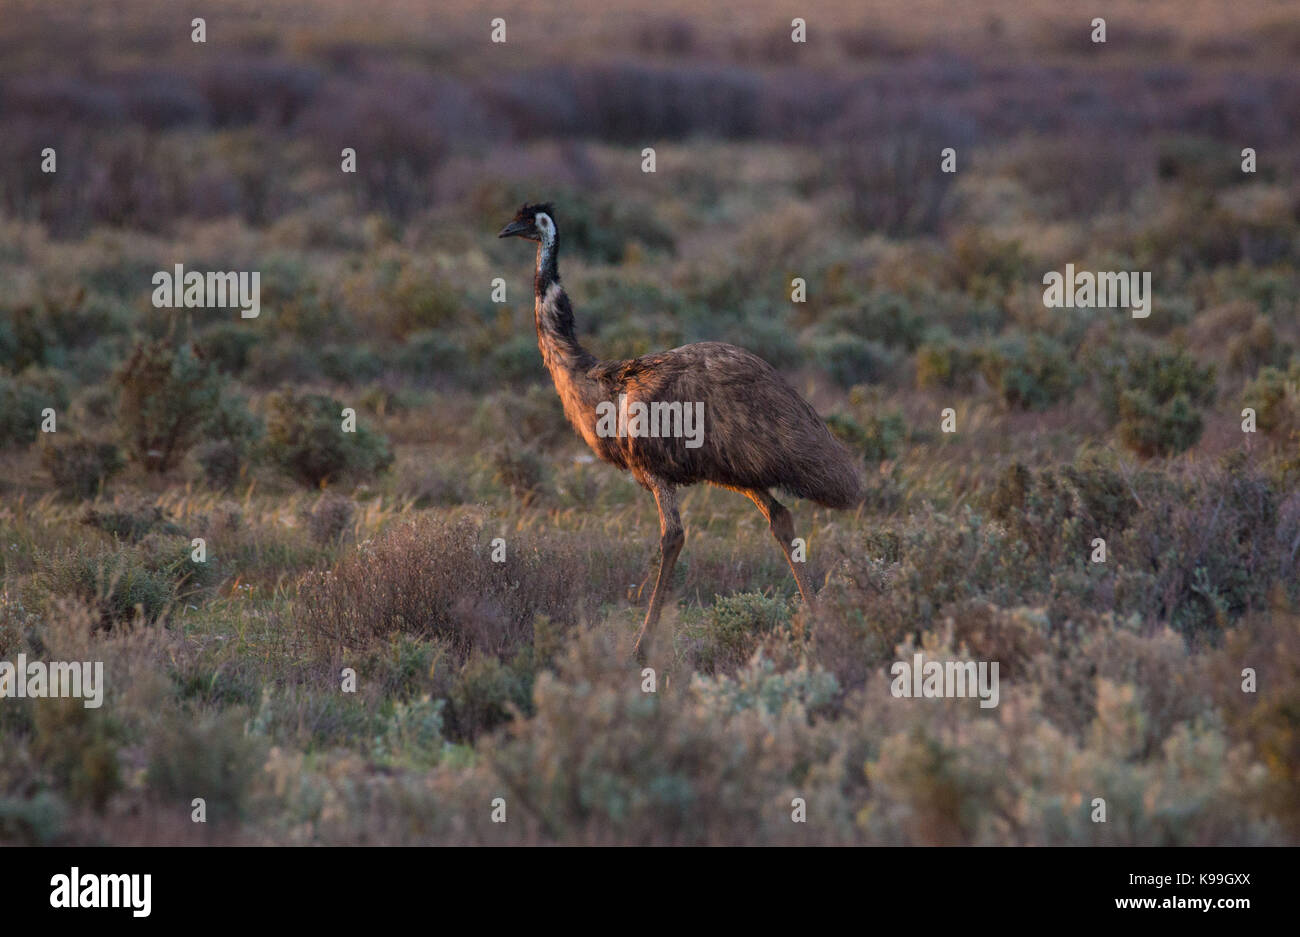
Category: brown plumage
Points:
column 757, row 434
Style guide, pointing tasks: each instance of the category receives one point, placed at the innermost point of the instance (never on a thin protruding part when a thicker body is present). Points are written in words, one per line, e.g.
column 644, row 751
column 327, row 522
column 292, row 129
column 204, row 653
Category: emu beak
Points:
column 513, row 229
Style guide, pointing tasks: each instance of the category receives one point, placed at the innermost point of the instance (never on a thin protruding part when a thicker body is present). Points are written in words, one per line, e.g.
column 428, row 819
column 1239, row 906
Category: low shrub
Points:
column 850, row 359
column 164, row 397
column 877, row 441
column 884, row 317
column 207, row 755
column 1152, row 395
column 1275, row 396
column 81, row 467
column 116, row 584
column 330, row 518
column 306, row 441
column 733, row 628
column 79, row 748
column 521, row 470
column 1158, row 429
column 130, row 519
column 433, row 577
column 1029, row 374
column 946, row 363
column 23, row 400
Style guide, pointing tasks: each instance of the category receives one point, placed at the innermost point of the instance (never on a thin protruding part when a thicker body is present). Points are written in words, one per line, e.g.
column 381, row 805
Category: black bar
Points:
column 334, row 887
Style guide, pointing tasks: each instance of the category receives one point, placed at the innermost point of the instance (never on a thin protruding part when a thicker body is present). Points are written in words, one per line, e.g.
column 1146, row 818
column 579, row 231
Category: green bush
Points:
column 350, row 364
column 985, row 266
column 947, row 363
column 1275, row 396
column 58, row 325
column 1152, row 394
column 601, row 761
column 431, row 354
column 79, row 747
column 1158, row 429
column 228, row 346
column 116, row 583
column 34, row 821
column 412, row 734
column 516, row 361
column 1257, row 347
column 877, row 441
column 521, row 470
column 533, row 418
column 760, row 687
column 81, row 467
column 884, row 317
column 1162, row 375
column 22, row 399
column 330, row 518
column 1059, row 511
column 1029, row 374
column 305, row 440
column 221, row 463
column 850, row 359
column 487, row 692
column 419, row 302
column 231, row 433
column 130, row 520
column 735, row 625
column 211, row 757
column 165, row 396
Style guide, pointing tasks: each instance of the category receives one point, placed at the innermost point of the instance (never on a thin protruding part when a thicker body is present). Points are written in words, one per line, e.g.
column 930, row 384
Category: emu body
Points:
column 758, row 433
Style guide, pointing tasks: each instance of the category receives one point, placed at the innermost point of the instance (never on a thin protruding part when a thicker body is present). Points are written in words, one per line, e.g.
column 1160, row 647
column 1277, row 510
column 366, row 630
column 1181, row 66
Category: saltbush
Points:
column 81, row 467
column 165, row 395
column 305, row 440
column 1152, row 394
column 1029, row 374
column 23, row 399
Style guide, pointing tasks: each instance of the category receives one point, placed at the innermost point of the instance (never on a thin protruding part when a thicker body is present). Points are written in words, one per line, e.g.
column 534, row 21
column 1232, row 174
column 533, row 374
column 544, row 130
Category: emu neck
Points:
column 568, row 362
column 556, row 335
column 548, row 270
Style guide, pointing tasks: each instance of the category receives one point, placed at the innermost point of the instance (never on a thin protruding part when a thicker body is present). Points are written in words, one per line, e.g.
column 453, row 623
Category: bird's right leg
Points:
column 671, row 537
column 782, row 527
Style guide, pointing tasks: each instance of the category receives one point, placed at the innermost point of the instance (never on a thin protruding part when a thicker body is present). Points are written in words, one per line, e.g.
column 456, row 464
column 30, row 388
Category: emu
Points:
column 759, row 433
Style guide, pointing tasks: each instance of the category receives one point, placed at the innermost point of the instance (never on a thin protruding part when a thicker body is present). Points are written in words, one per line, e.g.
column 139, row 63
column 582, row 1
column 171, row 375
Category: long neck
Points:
column 548, row 269
column 556, row 337
column 568, row 362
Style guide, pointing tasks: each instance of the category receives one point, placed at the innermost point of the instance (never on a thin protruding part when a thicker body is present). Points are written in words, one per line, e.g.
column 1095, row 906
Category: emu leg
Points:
column 670, row 544
column 782, row 527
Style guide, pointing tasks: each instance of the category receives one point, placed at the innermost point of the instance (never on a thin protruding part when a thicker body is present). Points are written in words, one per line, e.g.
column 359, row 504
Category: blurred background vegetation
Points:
column 775, row 160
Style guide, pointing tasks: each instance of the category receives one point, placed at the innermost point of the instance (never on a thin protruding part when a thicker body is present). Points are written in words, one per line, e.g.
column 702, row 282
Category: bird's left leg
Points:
column 781, row 524
column 670, row 544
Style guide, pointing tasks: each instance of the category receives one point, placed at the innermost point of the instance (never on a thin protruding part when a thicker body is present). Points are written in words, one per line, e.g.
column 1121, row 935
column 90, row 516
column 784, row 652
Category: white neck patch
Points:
column 547, row 227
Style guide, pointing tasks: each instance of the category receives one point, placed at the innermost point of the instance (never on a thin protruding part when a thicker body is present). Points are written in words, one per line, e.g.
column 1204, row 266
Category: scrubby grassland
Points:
column 372, row 551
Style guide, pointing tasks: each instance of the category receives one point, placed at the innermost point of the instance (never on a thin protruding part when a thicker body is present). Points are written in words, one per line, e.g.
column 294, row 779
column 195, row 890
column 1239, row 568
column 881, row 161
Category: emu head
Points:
column 533, row 223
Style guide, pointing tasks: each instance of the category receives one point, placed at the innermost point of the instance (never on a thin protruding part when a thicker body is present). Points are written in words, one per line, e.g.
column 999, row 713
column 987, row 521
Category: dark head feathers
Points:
column 530, row 210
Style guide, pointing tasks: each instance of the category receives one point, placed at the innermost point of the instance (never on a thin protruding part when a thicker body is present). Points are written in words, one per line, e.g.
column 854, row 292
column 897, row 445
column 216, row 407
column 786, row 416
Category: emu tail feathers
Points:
column 831, row 478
